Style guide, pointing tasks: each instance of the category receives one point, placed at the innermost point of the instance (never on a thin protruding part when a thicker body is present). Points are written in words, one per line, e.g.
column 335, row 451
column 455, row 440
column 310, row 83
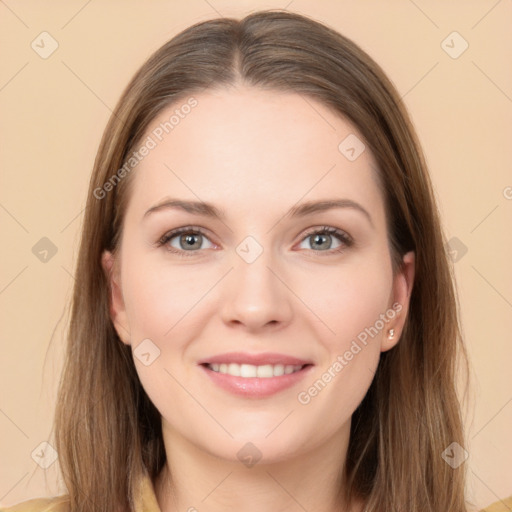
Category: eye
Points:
column 188, row 240
column 184, row 240
column 321, row 240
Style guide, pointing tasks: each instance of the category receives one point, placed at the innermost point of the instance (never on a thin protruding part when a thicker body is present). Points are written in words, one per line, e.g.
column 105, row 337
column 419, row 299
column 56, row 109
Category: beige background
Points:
column 53, row 114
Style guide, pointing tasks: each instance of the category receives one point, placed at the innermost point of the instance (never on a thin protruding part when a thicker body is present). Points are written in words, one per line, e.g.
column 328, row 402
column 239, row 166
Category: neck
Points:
column 195, row 480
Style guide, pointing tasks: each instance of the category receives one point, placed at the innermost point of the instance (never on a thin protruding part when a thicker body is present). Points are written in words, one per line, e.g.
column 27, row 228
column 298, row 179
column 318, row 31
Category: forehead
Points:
column 253, row 147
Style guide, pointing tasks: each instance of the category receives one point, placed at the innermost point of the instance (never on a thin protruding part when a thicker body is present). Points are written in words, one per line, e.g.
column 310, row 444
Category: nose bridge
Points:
column 253, row 277
column 255, row 296
column 252, row 268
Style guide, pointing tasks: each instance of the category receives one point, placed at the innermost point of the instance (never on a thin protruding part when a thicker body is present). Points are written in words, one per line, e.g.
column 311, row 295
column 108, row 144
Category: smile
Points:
column 250, row 371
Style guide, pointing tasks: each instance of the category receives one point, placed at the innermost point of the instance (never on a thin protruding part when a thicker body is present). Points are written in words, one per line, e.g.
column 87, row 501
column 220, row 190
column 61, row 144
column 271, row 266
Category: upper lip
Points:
column 254, row 359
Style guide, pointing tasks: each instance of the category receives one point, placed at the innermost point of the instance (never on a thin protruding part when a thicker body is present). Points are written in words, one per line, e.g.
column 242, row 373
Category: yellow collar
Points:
column 145, row 500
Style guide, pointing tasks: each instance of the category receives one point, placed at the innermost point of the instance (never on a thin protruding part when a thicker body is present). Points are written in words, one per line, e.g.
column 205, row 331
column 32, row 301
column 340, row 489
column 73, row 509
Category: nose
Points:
column 256, row 296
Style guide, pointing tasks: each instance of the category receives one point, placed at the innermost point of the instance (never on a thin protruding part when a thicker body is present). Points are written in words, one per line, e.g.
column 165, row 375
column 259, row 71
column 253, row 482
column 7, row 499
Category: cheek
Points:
column 349, row 301
column 355, row 307
column 158, row 296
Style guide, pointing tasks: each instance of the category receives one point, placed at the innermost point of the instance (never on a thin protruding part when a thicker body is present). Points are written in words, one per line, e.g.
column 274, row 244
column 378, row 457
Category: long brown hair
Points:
column 108, row 433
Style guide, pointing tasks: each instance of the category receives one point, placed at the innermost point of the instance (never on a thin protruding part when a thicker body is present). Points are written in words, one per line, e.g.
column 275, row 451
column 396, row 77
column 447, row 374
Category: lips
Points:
column 255, row 375
column 240, row 358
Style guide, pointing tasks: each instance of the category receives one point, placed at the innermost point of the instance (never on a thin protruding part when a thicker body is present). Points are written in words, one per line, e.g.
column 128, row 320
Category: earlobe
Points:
column 116, row 302
column 402, row 288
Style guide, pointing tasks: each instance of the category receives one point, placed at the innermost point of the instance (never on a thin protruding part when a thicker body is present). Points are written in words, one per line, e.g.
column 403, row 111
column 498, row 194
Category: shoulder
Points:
column 57, row 504
column 504, row 505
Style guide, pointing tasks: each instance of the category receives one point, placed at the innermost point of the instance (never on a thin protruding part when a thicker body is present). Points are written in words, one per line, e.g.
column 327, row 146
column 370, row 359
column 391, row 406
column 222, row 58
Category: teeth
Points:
column 278, row 370
column 245, row 370
column 265, row 371
column 234, row 369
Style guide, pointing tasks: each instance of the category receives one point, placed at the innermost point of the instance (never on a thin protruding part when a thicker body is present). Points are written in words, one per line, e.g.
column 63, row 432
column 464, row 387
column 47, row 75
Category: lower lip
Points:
column 255, row 387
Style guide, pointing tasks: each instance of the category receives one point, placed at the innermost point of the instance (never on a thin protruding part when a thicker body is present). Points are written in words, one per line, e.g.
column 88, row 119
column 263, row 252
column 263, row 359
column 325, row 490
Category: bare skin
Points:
column 254, row 155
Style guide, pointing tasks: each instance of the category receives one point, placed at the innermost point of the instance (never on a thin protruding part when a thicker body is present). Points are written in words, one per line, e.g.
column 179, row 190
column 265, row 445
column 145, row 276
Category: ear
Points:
column 116, row 302
column 402, row 287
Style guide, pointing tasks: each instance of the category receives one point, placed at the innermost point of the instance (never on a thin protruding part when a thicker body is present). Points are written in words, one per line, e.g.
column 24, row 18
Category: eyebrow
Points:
column 301, row 210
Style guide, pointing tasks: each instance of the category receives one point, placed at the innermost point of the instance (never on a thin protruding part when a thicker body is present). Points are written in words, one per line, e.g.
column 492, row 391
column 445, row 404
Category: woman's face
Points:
column 218, row 319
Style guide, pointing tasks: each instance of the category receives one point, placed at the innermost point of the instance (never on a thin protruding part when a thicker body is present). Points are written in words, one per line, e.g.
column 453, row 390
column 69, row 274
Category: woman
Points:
column 263, row 317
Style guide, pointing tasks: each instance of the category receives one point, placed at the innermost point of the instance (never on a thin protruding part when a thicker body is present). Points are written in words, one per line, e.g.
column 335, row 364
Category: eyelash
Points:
column 343, row 237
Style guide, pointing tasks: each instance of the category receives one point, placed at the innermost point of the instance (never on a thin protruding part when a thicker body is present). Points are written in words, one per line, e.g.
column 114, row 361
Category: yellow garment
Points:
column 147, row 502
column 500, row 506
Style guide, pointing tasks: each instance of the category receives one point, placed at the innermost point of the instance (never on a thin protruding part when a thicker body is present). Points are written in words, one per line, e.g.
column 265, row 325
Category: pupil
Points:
column 318, row 239
column 189, row 240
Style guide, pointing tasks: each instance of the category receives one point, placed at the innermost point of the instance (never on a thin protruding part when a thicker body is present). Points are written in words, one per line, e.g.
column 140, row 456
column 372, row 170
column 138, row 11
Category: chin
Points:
column 256, row 449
